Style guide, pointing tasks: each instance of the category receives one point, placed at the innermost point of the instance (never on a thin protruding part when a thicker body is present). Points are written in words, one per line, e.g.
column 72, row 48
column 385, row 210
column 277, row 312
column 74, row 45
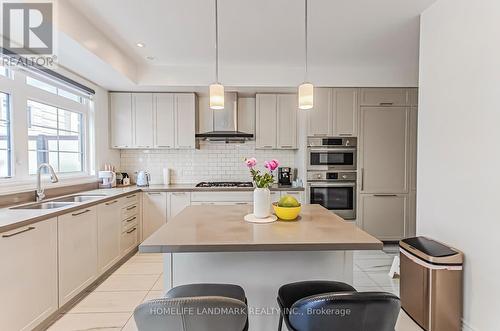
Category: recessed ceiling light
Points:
column 140, row 45
column 151, row 58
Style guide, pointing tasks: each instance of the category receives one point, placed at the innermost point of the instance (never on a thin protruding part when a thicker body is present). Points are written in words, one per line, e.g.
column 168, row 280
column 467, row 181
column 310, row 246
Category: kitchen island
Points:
column 213, row 244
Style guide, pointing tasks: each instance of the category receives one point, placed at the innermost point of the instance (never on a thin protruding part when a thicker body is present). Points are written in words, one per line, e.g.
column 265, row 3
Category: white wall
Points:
column 458, row 153
column 214, row 161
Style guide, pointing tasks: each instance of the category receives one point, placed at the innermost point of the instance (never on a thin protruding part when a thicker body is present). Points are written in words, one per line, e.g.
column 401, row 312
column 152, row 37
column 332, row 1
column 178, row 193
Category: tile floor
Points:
column 109, row 305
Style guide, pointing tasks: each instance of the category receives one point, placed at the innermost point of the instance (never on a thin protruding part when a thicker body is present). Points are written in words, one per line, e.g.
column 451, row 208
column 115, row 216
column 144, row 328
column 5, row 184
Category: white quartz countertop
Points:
column 11, row 219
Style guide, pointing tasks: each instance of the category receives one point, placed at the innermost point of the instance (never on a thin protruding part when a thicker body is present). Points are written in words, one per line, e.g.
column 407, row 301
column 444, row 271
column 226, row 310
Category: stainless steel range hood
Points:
column 225, row 123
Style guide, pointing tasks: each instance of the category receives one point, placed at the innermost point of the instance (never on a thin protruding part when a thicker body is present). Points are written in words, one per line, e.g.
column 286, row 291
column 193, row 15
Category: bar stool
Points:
column 195, row 307
column 335, row 306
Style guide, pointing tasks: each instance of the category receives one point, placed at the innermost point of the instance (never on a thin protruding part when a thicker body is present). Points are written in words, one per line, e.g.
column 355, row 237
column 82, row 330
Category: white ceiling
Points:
column 351, row 42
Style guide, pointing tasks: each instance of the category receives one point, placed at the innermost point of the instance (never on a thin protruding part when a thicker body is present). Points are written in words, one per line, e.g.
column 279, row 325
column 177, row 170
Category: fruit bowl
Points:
column 286, row 213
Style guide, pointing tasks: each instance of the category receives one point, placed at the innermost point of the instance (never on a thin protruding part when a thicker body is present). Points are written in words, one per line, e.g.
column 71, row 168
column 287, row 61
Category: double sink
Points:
column 61, row 202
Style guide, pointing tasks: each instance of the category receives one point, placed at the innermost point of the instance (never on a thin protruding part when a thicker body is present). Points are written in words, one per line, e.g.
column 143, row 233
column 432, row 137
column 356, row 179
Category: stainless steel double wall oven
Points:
column 331, row 174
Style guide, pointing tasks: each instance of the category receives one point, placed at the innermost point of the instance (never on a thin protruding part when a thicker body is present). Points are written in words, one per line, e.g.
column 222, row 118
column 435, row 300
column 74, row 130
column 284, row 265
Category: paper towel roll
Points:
column 166, row 176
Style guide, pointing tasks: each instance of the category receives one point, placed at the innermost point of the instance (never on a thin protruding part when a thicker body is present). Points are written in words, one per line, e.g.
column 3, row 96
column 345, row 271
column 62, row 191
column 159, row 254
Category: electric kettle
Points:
column 143, row 178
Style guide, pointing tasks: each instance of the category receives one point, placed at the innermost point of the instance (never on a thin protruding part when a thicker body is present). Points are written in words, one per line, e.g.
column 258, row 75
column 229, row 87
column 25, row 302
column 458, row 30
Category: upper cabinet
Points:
column 185, row 120
column 121, row 120
column 387, row 97
column 153, row 120
column 276, row 121
column 164, row 120
column 143, row 120
column 335, row 112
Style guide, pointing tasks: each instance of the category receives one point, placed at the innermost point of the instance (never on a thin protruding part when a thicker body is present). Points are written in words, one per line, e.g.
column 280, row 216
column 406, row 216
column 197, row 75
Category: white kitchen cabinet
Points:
column 384, row 149
column 287, row 121
column 320, row 116
column 164, row 120
column 335, row 112
column 77, row 246
column 345, row 111
column 276, row 121
column 28, row 280
column 185, row 120
column 108, row 234
column 222, row 196
column 384, row 97
column 121, row 120
column 384, row 216
column 143, row 120
column 296, row 194
column 176, row 202
column 266, row 121
column 154, row 212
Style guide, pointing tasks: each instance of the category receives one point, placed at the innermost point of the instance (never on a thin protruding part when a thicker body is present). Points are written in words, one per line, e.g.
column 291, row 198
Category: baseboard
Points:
column 467, row 327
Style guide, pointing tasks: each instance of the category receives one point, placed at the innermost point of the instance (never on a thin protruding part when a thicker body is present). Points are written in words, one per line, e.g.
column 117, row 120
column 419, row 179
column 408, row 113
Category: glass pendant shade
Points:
column 216, row 96
column 306, row 96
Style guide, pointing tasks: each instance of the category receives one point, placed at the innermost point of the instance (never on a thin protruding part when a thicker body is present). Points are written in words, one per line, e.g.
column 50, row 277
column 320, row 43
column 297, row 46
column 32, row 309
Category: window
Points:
column 5, row 153
column 52, row 88
column 55, row 137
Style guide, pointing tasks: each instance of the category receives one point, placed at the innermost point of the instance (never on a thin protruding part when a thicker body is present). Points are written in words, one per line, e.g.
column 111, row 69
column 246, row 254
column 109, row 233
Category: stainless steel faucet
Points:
column 53, row 178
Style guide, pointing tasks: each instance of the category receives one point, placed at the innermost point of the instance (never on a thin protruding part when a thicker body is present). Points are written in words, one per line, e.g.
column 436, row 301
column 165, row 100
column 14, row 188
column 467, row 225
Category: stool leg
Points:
column 281, row 322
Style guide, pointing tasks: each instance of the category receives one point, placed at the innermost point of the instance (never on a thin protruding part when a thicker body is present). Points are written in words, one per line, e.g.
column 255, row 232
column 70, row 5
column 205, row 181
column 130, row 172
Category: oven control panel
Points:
column 331, row 176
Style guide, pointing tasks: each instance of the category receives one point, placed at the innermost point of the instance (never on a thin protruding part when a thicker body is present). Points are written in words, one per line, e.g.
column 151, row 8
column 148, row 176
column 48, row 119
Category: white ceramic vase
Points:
column 261, row 202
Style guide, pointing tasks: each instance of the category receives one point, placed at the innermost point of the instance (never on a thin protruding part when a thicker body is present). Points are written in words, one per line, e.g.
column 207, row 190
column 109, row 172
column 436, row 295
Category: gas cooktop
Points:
column 224, row 184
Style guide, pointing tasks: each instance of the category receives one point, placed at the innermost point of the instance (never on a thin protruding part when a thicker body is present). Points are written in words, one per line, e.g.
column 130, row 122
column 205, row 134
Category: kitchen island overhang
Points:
column 213, row 244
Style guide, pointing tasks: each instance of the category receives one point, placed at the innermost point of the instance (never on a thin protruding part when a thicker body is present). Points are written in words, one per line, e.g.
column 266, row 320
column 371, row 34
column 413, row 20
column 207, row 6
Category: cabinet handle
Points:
column 385, row 195
column 362, row 179
column 154, row 193
column 111, row 203
column 286, row 146
column 131, row 196
column 129, row 232
column 386, row 103
column 178, row 193
column 267, row 146
column 164, row 146
column 18, row 232
column 130, row 219
column 344, row 134
column 241, row 203
column 80, row 213
column 131, row 207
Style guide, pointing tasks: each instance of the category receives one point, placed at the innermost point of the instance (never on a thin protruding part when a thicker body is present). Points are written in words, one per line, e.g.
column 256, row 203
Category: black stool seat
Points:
column 335, row 306
column 205, row 290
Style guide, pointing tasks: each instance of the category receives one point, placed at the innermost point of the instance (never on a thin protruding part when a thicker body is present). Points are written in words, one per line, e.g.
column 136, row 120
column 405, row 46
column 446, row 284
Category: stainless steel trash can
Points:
column 431, row 283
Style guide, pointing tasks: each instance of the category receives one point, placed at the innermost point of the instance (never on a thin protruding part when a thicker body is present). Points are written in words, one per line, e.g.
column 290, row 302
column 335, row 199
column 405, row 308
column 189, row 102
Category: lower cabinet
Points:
column 299, row 195
column 28, row 277
column 108, row 234
column 384, row 216
column 154, row 212
column 77, row 245
column 176, row 202
column 129, row 239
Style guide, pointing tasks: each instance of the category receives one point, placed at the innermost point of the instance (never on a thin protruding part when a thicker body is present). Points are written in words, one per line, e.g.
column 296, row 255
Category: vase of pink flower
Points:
column 262, row 182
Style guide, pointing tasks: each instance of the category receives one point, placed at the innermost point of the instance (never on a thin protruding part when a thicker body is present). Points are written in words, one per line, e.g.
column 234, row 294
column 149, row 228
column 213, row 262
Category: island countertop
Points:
column 210, row 228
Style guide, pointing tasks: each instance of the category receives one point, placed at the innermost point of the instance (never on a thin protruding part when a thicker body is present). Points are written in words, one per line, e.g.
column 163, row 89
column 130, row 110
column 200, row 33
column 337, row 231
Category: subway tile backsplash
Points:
column 214, row 161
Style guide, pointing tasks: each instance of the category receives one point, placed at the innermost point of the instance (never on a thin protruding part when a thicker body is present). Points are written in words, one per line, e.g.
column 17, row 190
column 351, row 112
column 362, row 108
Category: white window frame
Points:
column 20, row 92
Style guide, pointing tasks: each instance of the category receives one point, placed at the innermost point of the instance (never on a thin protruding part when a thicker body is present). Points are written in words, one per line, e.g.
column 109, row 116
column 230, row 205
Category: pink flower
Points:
column 272, row 165
column 251, row 162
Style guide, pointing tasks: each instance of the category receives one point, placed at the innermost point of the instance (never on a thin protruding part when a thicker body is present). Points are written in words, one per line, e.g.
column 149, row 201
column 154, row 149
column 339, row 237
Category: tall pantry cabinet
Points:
column 387, row 162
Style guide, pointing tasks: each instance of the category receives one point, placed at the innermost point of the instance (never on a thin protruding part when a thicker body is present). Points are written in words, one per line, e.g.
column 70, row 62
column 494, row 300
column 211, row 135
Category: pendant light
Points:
column 306, row 90
column 216, row 89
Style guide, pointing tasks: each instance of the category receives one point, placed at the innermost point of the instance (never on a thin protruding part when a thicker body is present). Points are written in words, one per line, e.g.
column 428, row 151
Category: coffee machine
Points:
column 285, row 176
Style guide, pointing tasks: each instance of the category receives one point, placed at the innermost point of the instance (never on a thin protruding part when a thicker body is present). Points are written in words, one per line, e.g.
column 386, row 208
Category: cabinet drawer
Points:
column 384, row 97
column 129, row 240
column 130, row 210
column 129, row 199
column 129, row 223
column 222, row 196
